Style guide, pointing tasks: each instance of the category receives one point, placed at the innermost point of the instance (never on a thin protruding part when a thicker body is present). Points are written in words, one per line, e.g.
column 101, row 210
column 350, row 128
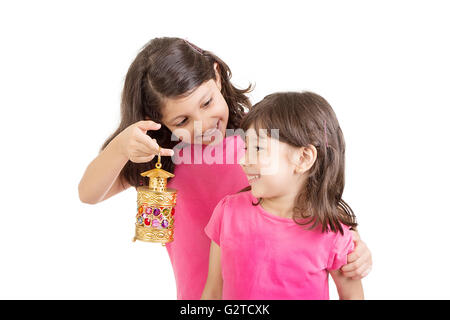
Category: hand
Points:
column 359, row 262
column 137, row 146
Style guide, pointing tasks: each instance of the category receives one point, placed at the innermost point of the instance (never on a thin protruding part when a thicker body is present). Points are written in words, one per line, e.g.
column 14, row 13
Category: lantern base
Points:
column 149, row 234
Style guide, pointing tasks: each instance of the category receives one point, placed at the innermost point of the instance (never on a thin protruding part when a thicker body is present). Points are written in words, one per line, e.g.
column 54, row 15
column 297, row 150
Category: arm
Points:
column 213, row 286
column 348, row 289
column 359, row 262
column 101, row 179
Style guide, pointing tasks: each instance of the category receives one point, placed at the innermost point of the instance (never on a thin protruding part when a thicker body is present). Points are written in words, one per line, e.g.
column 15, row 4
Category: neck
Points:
column 282, row 206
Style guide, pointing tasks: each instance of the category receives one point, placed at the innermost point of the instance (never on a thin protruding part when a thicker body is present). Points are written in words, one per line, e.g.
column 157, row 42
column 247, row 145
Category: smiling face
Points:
column 269, row 165
column 199, row 117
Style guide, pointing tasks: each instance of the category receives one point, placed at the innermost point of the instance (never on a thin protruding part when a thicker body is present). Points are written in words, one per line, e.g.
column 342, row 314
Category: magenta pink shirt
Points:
column 264, row 256
column 200, row 187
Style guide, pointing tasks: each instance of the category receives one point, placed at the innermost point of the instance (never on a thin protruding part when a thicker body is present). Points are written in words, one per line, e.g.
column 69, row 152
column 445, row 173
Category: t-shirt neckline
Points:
column 268, row 214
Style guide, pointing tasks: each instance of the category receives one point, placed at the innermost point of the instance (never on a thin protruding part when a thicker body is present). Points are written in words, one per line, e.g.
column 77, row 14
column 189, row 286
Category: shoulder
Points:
column 238, row 199
column 331, row 239
column 346, row 229
column 229, row 210
column 341, row 239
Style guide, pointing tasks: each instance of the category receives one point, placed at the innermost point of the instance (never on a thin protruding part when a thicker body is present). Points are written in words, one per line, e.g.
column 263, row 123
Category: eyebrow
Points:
column 254, row 140
column 199, row 102
column 258, row 137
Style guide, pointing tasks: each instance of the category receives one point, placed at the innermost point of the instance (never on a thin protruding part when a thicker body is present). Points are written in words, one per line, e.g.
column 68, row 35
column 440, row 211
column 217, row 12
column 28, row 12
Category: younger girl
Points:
column 281, row 237
column 176, row 91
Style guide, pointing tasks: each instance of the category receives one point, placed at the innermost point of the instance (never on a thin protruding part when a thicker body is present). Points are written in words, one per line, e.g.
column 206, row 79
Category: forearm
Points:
column 212, row 293
column 101, row 174
column 348, row 289
column 355, row 292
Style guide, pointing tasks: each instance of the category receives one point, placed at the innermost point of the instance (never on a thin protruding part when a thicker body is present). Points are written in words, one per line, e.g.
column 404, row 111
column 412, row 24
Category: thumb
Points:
column 146, row 125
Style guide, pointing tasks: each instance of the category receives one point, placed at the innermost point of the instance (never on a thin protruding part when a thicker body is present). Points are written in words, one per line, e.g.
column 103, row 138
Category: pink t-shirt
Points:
column 201, row 185
column 264, row 256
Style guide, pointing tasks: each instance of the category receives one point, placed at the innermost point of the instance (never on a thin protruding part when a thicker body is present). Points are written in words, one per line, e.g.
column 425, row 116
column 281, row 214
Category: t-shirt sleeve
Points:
column 343, row 245
column 214, row 226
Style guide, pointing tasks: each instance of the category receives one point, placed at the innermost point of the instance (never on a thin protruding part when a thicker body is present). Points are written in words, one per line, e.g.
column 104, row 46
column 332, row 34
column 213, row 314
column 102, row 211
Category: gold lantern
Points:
column 155, row 207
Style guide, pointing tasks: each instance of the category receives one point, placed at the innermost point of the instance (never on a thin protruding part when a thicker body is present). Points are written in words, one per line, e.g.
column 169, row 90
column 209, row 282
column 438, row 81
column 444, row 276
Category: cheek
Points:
column 221, row 108
column 270, row 181
column 269, row 165
column 276, row 175
column 273, row 185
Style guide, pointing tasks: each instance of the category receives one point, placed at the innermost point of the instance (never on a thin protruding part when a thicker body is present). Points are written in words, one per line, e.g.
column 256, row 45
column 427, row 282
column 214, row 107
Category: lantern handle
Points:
column 158, row 164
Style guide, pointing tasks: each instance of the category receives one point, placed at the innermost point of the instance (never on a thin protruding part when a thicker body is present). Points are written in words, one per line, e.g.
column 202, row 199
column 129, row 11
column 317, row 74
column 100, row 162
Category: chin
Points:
column 257, row 193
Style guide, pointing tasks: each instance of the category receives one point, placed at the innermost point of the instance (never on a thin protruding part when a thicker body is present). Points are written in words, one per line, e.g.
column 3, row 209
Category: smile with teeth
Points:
column 253, row 177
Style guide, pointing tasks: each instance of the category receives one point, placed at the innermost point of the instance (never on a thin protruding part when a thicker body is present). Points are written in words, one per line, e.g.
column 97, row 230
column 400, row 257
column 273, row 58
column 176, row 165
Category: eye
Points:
column 207, row 103
column 258, row 148
column 182, row 123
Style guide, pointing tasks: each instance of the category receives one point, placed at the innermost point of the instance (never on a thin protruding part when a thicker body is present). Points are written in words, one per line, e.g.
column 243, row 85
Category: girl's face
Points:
column 201, row 117
column 270, row 165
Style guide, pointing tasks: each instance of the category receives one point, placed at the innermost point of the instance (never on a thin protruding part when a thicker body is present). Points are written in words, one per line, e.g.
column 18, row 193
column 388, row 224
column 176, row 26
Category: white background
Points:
column 383, row 65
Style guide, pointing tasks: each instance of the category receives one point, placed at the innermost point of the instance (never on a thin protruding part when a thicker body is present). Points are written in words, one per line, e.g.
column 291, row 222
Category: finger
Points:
column 354, row 256
column 363, row 275
column 354, row 260
column 366, row 273
column 143, row 150
column 167, row 152
column 350, row 267
column 138, row 159
column 153, row 147
column 349, row 274
column 361, row 253
column 146, row 125
column 146, row 150
column 357, row 273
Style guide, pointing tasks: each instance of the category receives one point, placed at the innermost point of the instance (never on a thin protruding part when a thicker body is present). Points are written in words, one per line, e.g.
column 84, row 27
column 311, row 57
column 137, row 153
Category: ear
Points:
column 217, row 80
column 305, row 158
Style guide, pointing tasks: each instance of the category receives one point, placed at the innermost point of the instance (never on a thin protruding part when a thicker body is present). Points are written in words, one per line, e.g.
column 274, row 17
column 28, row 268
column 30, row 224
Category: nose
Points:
column 201, row 127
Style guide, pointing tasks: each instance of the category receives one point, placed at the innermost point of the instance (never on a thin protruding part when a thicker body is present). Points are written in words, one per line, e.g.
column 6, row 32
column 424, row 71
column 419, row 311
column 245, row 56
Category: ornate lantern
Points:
column 155, row 207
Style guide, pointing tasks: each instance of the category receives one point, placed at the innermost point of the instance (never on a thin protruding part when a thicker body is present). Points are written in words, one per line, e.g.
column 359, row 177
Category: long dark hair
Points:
column 305, row 118
column 169, row 68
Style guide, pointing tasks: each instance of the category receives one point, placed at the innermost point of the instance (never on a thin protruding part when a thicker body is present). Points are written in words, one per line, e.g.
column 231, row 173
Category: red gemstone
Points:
column 147, row 221
column 173, row 211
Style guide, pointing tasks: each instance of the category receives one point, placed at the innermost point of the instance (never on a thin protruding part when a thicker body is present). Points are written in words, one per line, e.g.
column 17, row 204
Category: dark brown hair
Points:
column 305, row 118
column 170, row 68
